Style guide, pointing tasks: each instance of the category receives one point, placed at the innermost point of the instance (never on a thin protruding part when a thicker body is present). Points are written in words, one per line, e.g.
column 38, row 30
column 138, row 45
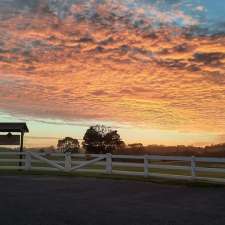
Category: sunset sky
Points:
column 153, row 69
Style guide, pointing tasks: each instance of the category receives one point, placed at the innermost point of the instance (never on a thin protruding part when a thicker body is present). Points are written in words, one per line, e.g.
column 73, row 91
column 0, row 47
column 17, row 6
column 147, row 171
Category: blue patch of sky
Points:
column 210, row 14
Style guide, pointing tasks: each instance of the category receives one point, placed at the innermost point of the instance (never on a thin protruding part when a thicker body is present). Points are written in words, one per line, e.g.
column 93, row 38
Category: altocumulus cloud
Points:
column 150, row 63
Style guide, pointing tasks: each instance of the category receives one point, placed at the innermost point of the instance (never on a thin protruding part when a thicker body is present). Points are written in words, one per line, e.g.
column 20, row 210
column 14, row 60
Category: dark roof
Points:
column 13, row 127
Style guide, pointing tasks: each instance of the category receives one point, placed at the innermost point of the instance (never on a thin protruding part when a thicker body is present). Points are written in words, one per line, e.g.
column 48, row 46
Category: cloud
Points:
column 99, row 93
column 212, row 58
column 200, row 8
column 124, row 61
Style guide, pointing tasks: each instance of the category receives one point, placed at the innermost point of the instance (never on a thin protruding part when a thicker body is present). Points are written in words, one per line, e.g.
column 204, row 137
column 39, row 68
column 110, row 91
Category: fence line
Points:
column 184, row 168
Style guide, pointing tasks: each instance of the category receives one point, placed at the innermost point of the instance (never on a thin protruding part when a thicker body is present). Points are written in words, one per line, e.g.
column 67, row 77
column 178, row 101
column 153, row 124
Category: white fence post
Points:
column 145, row 165
column 109, row 163
column 28, row 161
column 65, row 163
column 68, row 162
column 193, row 167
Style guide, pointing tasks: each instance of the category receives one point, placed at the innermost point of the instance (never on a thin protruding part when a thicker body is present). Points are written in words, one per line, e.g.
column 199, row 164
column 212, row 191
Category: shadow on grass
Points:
column 112, row 176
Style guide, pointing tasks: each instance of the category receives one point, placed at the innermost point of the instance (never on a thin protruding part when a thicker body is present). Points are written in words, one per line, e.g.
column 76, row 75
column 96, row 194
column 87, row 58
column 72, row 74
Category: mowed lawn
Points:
column 124, row 167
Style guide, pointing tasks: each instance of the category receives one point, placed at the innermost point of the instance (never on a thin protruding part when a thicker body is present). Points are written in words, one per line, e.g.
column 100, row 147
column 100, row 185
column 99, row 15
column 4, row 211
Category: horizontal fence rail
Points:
column 168, row 167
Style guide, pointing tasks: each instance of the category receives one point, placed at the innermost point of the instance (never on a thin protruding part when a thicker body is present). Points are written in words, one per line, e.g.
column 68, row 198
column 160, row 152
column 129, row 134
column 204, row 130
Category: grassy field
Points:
column 127, row 168
column 188, row 183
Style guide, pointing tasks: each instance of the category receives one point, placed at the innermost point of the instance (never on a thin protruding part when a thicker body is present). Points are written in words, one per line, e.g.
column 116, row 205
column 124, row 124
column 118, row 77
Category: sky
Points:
column 152, row 69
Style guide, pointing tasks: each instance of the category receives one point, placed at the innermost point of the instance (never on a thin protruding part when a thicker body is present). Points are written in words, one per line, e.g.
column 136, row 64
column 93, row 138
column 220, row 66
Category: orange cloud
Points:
column 107, row 67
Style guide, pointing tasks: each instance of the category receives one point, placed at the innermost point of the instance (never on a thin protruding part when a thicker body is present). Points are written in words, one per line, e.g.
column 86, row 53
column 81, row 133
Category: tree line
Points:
column 97, row 139
column 100, row 139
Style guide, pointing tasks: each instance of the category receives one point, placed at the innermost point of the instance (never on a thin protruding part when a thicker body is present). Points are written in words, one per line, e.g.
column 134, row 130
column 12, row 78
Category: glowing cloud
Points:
column 147, row 63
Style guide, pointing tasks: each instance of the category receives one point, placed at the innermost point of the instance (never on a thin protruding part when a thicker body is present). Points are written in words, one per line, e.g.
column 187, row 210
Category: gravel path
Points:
column 34, row 200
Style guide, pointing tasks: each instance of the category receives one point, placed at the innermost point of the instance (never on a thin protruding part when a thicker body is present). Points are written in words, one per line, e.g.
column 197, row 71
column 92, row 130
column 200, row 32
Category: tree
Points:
column 68, row 144
column 112, row 141
column 136, row 146
column 101, row 139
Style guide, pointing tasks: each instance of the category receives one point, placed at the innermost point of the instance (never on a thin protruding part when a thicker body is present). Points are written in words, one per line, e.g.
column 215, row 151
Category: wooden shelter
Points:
column 12, row 139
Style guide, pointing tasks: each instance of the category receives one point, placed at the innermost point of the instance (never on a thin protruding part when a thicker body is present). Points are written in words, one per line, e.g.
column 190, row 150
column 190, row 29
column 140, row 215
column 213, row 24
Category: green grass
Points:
column 132, row 169
column 129, row 169
column 121, row 168
column 107, row 176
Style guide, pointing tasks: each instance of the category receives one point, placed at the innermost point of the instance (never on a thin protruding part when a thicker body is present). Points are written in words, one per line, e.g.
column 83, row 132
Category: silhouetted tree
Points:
column 101, row 139
column 136, row 146
column 68, row 144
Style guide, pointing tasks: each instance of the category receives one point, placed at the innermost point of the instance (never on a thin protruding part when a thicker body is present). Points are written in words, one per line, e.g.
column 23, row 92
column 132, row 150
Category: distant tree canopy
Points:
column 68, row 144
column 136, row 145
column 101, row 139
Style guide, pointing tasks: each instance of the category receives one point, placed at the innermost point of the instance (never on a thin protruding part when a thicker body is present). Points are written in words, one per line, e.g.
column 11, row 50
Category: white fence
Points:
column 169, row 167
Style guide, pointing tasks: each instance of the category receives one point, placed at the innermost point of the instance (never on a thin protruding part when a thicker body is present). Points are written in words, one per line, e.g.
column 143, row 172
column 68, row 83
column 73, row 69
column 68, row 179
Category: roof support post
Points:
column 21, row 148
